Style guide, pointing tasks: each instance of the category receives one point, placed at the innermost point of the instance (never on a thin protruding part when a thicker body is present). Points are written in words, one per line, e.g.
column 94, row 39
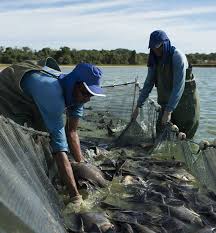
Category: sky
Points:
column 110, row 24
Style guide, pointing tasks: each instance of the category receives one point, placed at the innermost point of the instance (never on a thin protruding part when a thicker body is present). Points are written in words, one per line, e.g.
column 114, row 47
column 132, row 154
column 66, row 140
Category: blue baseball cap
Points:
column 90, row 76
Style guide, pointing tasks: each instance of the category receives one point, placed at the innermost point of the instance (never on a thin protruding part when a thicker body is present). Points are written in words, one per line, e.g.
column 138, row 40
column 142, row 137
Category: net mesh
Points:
column 116, row 102
column 167, row 145
column 27, row 196
column 119, row 104
column 200, row 160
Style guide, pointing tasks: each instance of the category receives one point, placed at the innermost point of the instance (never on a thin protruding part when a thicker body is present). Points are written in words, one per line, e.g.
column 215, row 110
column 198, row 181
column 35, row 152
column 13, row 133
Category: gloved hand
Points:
column 77, row 200
column 73, row 205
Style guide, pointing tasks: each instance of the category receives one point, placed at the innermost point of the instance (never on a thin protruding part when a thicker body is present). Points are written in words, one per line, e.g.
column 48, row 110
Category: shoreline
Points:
column 203, row 65
column 122, row 65
column 2, row 66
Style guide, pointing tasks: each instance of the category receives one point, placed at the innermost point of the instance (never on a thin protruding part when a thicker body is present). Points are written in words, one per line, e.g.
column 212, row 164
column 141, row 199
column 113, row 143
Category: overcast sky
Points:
column 111, row 24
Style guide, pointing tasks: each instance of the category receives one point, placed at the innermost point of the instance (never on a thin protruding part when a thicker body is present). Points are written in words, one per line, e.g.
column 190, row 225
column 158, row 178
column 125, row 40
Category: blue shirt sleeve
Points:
column 147, row 87
column 56, row 127
column 75, row 111
column 47, row 94
column 180, row 65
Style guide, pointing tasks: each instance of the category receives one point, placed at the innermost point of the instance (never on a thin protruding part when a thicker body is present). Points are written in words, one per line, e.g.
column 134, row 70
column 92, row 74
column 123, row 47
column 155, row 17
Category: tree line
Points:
column 67, row 56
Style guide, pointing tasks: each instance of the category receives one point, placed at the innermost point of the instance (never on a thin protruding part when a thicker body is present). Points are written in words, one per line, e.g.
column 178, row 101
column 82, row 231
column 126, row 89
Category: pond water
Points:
column 206, row 82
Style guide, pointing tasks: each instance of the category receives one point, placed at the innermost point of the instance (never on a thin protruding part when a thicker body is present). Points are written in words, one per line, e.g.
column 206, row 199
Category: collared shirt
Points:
column 48, row 96
column 180, row 65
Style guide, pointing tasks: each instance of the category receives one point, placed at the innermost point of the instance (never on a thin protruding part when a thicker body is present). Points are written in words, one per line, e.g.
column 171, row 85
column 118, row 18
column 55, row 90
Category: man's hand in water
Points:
column 135, row 114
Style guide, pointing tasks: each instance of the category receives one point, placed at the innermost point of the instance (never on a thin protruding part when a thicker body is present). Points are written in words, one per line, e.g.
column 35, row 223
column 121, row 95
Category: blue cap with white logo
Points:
column 90, row 76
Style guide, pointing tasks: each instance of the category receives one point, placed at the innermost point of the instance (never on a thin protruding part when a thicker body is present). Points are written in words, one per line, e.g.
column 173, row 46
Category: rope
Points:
column 134, row 97
column 119, row 84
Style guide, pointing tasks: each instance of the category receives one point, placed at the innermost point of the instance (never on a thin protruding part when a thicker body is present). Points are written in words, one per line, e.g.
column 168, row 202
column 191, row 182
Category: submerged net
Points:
column 28, row 201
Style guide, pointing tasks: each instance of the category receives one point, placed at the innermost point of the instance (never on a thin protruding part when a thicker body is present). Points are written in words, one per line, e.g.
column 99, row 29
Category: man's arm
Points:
column 147, row 87
column 73, row 138
column 180, row 65
column 66, row 172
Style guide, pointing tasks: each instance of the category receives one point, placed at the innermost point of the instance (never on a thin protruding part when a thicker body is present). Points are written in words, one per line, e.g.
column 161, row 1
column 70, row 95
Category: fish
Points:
column 89, row 172
column 126, row 228
column 207, row 229
column 184, row 214
column 123, row 217
column 92, row 222
column 73, row 222
column 172, row 224
column 96, row 222
column 142, row 229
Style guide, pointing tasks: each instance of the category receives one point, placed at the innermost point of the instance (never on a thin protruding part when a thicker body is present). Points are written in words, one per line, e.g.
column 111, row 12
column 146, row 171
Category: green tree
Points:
column 132, row 59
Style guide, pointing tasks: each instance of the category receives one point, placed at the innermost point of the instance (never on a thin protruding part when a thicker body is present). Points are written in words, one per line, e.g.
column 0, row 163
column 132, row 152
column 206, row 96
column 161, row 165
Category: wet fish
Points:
column 99, row 221
column 142, row 229
column 122, row 217
column 89, row 172
column 161, row 189
column 210, row 217
column 172, row 224
column 207, row 230
column 73, row 222
column 126, row 228
column 184, row 214
column 174, row 202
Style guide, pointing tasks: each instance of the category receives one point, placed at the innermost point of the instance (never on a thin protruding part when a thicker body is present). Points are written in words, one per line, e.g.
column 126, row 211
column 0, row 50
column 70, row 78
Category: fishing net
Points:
column 28, row 201
column 120, row 103
column 198, row 157
column 201, row 162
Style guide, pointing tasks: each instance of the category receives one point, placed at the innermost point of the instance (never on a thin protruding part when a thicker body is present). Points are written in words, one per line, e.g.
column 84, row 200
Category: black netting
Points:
column 166, row 145
column 119, row 105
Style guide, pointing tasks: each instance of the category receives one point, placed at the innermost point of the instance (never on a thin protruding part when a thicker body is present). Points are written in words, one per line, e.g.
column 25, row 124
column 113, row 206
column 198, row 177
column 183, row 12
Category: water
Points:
column 206, row 83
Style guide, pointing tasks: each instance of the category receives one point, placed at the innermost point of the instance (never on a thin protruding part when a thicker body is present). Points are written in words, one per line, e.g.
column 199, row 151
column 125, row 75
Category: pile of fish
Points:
column 130, row 191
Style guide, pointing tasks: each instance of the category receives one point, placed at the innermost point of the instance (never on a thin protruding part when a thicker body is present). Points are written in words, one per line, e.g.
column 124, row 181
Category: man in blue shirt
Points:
column 176, row 89
column 30, row 91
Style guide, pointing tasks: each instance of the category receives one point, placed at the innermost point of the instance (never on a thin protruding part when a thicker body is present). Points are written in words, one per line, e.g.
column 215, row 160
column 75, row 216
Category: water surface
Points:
column 206, row 82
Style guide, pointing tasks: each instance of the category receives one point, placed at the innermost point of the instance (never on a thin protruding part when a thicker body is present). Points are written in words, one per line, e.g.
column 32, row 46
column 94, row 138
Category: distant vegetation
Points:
column 67, row 56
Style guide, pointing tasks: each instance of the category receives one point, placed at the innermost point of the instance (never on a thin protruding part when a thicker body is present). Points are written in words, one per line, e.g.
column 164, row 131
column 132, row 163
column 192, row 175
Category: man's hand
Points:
column 166, row 117
column 135, row 114
column 66, row 172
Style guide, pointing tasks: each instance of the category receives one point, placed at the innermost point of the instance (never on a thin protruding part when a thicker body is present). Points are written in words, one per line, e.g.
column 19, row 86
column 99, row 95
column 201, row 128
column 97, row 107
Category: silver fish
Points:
column 99, row 221
column 89, row 172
